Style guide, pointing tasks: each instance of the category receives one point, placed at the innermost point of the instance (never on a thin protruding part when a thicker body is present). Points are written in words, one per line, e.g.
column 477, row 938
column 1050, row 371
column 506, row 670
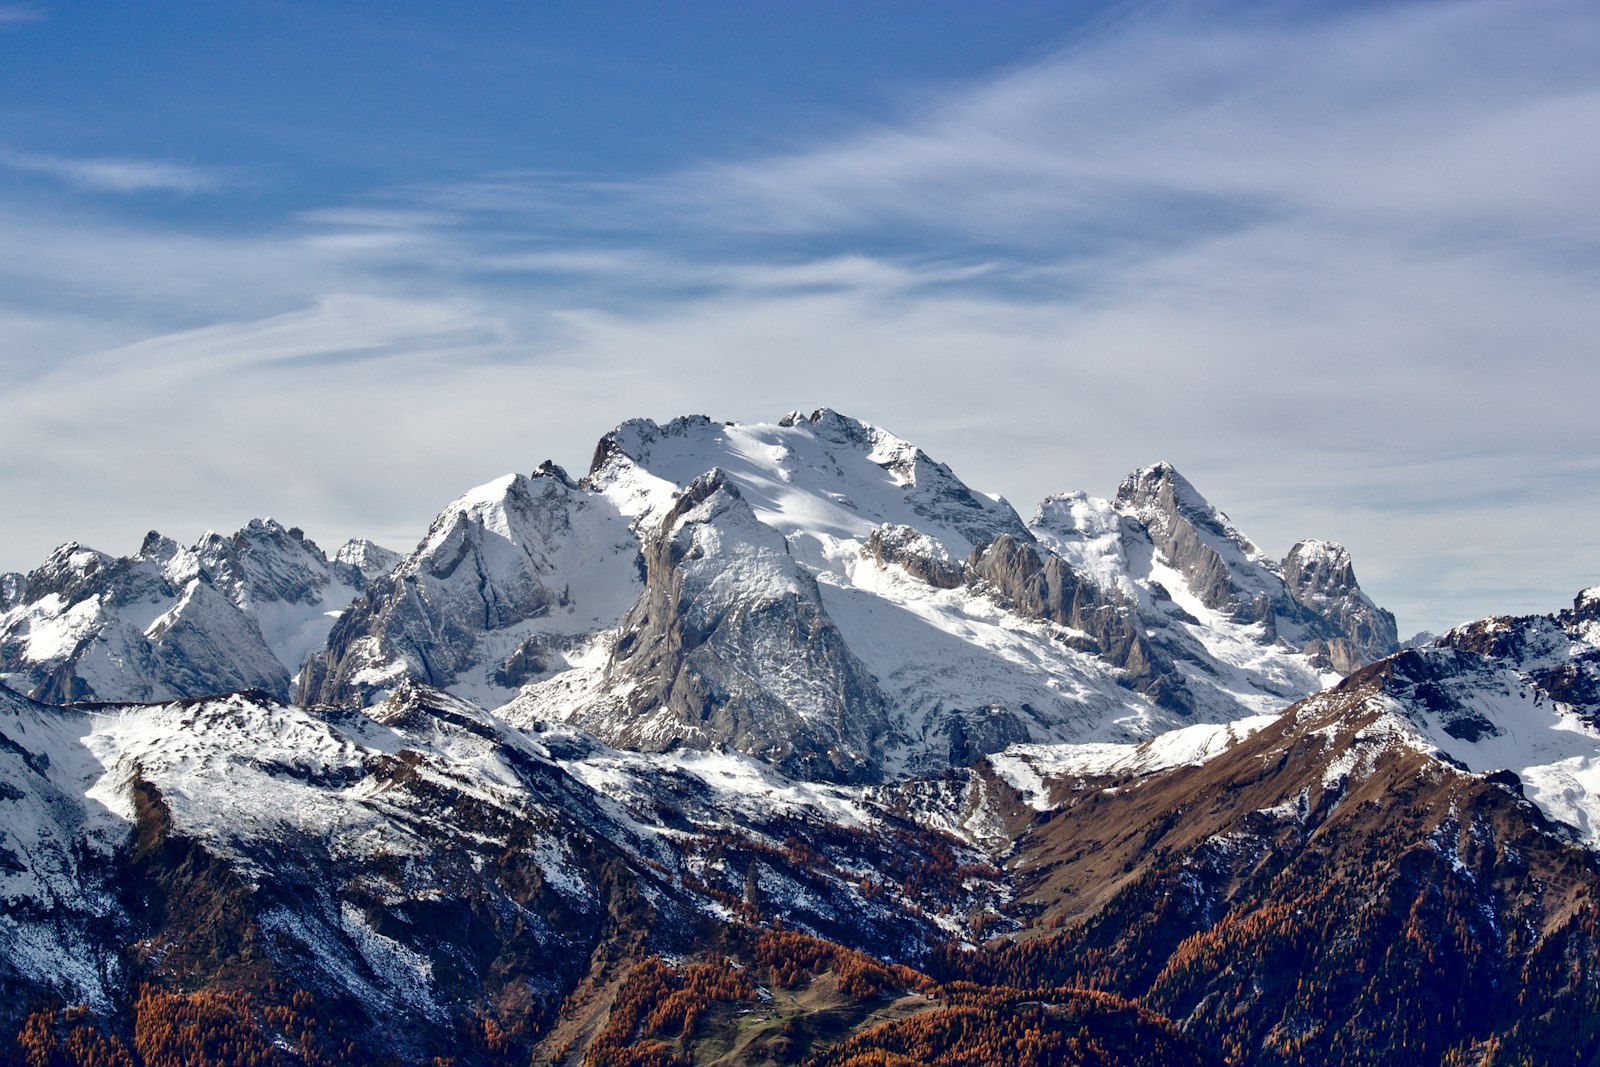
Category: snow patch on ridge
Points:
column 1030, row 767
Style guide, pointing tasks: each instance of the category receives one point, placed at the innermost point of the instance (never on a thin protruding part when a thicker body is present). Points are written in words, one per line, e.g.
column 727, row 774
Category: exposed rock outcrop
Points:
column 916, row 553
column 729, row 644
column 1321, row 579
column 1049, row 589
column 511, row 560
column 1311, row 600
column 1222, row 566
column 240, row 611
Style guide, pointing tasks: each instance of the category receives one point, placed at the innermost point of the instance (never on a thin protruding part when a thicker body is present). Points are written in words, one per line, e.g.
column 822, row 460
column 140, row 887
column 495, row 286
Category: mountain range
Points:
column 779, row 743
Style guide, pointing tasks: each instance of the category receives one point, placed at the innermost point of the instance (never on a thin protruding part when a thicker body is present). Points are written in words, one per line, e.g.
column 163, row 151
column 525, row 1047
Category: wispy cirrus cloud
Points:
column 1188, row 122
column 12, row 14
column 114, row 175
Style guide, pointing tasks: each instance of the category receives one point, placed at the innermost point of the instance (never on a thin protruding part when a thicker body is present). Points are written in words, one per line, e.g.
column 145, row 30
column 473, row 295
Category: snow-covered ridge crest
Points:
column 512, row 578
column 1030, row 768
column 1158, row 494
column 229, row 612
column 821, row 480
column 1161, row 539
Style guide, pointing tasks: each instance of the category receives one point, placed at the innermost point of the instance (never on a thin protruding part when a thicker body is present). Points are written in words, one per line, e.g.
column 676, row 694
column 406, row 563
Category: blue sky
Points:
column 337, row 262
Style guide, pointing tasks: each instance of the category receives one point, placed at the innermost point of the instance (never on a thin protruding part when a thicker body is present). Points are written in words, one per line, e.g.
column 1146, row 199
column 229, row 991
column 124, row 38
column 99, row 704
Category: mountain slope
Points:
column 730, row 643
column 1357, row 880
column 511, row 581
column 60, row 901
column 228, row 613
column 978, row 631
column 419, row 867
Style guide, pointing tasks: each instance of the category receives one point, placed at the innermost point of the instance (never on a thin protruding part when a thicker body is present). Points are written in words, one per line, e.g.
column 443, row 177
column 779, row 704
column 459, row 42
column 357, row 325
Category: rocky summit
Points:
column 779, row 743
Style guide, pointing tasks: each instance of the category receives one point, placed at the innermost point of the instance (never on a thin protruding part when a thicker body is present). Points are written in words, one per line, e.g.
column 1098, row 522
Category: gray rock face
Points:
column 1194, row 537
column 921, row 556
column 1334, row 654
column 235, row 612
column 205, row 645
column 729, row 644
column 1049, row 589
column 1311, row 600
column 1321, row 578
column 11, row 586
column 499, row 572
column 263, row 563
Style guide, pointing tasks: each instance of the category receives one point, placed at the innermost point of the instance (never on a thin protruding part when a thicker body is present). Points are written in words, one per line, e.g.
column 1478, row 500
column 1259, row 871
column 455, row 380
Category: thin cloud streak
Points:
column 1361, row 117
column 15, row 14
column 117, row 175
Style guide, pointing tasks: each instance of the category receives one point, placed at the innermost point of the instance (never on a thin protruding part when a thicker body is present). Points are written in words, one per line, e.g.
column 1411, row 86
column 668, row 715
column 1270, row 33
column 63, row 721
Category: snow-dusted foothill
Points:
column 1227, row 616
column 1516, row 699
column 346, row 849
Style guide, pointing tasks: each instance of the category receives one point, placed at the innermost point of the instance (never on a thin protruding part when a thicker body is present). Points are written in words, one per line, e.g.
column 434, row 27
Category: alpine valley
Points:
column 777, row 743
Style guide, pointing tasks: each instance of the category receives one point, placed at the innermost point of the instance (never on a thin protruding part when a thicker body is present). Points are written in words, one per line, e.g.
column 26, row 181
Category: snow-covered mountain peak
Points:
column 686, row 446
column 512, row 578
column 716, row 537
column 842, row 429
column 158, row 549
column 1075, row 513
column 1158, row 495
column 513, row 521
column 264, row 562
column 67, row 572
column 729, row 643
column 11, row 587
column 1317, row 552
column 1215, row 563
column 1198, row 580
column 705, row 574
column 370, row 559
column 491, row 506
column 231, row 611
column 713, row 485
column 826, row 481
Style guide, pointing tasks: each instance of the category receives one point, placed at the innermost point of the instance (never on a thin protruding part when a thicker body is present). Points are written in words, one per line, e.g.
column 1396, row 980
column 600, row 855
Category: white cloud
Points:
column 1433, row 111
column 12, row 14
